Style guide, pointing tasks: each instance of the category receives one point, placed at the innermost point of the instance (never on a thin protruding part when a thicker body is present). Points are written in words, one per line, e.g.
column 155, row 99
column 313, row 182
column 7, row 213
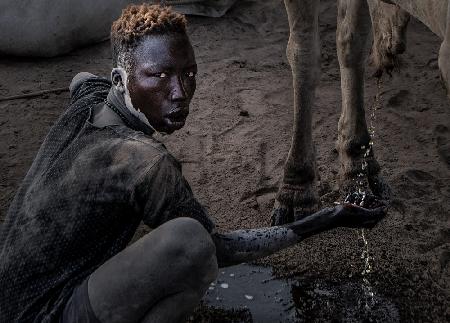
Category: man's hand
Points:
column 250, row 244
column 353, row 216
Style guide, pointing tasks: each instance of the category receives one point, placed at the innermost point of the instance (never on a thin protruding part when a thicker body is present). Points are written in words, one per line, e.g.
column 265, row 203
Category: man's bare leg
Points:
column 159, row 278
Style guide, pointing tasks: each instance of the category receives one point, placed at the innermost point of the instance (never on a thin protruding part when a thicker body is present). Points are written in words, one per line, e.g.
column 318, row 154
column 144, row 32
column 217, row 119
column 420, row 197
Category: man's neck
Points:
column 116, row 112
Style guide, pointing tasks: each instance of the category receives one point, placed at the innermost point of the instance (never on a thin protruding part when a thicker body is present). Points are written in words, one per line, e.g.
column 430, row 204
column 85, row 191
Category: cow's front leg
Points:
column 444, row 55
column 297, row 196
column 353, row 138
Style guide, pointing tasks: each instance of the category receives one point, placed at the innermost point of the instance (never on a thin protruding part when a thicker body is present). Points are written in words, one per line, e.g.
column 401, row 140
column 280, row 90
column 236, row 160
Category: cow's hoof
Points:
column 377, row 185
column 303, row 212
column 281, row 214
column 348, row 186
column 294, row 203
column 380, row 187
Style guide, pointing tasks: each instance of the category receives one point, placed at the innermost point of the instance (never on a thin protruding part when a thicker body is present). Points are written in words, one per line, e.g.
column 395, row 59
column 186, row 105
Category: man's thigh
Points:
column 168, row 260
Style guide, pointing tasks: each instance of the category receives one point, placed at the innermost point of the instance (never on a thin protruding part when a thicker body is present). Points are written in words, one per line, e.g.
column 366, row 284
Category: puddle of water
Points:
column 253, row 287
column 289, row 300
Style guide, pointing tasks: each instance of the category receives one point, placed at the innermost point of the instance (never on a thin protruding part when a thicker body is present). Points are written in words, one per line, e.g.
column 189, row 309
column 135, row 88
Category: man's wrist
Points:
column 323, row 220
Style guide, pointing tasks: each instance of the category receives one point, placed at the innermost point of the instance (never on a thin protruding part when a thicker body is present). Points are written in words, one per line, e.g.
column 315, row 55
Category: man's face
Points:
column 162, row 81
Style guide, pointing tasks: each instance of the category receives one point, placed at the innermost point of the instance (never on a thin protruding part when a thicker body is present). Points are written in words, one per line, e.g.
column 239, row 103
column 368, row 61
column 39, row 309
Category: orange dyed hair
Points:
column 138, row 21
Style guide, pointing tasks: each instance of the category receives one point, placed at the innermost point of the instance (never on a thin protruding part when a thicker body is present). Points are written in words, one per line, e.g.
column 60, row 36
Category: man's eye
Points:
column 161, row 75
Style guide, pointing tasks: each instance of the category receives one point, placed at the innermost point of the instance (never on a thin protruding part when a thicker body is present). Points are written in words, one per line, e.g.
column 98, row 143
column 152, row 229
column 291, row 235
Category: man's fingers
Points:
column 357, row 216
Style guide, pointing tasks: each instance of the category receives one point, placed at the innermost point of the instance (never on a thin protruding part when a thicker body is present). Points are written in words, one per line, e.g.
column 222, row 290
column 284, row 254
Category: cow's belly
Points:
column 432, row 13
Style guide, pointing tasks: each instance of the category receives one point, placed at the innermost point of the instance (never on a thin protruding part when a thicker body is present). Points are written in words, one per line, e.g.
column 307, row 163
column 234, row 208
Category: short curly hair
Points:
column 138, row 21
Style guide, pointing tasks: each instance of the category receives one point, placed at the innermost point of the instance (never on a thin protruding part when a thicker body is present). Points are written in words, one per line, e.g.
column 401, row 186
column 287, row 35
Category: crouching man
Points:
column 63, row 246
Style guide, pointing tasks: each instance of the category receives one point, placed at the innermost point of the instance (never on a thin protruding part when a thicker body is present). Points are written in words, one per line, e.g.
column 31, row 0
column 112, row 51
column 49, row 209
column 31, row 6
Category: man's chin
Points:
column 172, row 126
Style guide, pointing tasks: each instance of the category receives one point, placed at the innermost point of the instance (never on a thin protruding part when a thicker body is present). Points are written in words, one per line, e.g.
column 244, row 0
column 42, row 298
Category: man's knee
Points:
column 191, row 248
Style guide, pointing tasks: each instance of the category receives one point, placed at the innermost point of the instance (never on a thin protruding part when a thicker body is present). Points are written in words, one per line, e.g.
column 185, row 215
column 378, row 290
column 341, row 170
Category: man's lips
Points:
column 176, row 119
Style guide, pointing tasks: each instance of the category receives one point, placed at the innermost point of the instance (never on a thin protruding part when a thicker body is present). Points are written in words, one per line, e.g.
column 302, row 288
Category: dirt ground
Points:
column 234, row 160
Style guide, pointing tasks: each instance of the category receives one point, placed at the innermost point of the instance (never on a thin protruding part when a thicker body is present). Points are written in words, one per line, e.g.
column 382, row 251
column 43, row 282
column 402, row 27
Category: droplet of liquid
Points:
column 224, row 285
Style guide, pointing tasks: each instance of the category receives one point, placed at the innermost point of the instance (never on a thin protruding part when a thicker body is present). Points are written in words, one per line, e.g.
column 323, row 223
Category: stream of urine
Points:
column 359, row 197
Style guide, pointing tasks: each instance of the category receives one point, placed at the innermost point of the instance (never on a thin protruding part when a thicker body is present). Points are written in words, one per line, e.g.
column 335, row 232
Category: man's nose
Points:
column 178, row 90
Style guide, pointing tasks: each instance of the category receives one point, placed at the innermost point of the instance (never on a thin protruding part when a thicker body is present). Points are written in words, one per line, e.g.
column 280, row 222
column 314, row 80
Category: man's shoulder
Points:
column 141, row 147
column 79, row 79
column 86, row 84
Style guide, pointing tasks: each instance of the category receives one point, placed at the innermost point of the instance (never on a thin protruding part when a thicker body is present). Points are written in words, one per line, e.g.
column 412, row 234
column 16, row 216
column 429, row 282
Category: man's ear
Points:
column 119, row 78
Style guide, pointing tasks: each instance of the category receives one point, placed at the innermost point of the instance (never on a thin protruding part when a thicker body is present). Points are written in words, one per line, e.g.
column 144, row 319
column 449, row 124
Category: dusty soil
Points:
column 238, row 134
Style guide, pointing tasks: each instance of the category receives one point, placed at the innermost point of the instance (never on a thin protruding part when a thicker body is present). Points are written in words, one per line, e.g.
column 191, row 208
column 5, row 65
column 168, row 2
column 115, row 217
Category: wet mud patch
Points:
column 267, row 299
column 319, row 300
column 209, row 314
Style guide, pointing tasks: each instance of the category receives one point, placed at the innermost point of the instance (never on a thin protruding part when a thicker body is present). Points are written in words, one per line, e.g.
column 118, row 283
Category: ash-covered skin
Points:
column 246, row 245
column 161, row 83
column 126, row 93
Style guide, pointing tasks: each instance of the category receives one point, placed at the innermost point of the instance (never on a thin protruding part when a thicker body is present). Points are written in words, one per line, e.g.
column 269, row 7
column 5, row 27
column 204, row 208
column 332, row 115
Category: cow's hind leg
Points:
column 352, row 33
column 297, row 196
column 389, row 24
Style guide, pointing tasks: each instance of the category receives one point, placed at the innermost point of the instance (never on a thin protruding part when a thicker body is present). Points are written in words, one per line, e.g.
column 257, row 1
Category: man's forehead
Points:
column 155, row 51
column 165, row 63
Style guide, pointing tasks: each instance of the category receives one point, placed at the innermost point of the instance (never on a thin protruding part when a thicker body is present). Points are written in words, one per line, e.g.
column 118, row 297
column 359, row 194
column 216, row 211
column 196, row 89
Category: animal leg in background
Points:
column 297, row 196
column 389, row 25
column 444, row 55
column 353, row 29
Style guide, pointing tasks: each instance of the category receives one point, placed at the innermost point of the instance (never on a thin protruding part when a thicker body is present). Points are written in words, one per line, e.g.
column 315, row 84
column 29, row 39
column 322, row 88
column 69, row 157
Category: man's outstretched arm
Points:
column 246, row 245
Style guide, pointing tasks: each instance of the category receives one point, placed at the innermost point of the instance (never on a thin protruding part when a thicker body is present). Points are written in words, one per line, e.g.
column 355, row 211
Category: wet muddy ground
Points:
column 258, row 294
column 233, row 149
